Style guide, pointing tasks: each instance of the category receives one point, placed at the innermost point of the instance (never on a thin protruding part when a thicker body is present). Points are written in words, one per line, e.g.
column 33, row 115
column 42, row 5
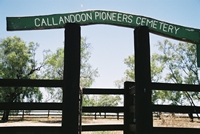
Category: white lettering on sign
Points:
column 37, row 24
column 119, row 16
column 83, row 17
column 72, row 18
column 154, row 25
column 111, row 16
column 142, row 21
column 104, row 16
column 176, row 29
column 61, row 20
column 54, row 22
column 43, row 22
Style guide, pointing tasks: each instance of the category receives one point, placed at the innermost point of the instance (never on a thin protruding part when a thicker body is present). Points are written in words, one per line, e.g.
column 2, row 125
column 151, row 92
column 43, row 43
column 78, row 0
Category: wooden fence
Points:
column 129, row 108
column 112, row 127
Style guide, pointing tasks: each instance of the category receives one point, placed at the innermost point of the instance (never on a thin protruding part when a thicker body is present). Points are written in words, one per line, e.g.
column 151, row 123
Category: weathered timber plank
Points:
column 175, row 87
column 103, row 109
column 110, row 127
column 31, row 130
column 171, row 130
column 176, row 109
column 30, row 83
column 31, row 106
column 102, row 91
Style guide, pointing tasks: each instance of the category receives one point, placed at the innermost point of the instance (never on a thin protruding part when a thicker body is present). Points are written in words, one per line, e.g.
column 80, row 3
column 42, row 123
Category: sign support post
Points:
column 143, row 104
column 71, row 78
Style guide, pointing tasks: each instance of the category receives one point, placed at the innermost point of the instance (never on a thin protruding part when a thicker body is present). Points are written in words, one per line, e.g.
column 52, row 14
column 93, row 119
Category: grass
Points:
column 172, row 121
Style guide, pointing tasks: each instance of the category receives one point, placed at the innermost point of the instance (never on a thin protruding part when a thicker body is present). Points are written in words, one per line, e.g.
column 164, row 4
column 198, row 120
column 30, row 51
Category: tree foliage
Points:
column 108, row 100
column 181, row 65
column 156, row 70
column 156, row 73
column 17, row 61
column 181, row 62
column 102, row 100
column 54, row 69
column 178, row 64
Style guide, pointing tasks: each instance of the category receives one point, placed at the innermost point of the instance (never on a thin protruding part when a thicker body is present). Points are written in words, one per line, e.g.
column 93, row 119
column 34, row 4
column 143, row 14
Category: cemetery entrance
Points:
column 140, row 111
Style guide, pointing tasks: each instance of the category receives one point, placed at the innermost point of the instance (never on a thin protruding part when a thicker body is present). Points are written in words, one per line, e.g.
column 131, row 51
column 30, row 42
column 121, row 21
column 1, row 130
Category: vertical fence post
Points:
column 71, row 78
column 23, row 115
column 129, row 108
column 144, row 121
column 117, row 116
column 80, row 109
column 48, row 113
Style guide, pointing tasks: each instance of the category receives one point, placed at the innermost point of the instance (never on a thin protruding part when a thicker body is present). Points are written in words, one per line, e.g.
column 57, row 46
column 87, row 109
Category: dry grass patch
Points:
column 172, row 121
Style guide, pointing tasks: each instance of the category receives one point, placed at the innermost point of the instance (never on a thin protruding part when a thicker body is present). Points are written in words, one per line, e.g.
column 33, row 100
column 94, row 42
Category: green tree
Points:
column 108, row 100
column 102, row 100
column 181, row 66
column 54, row 69
column 156, row 73
column 156, row 70
column 89, row 100
column 17, row 61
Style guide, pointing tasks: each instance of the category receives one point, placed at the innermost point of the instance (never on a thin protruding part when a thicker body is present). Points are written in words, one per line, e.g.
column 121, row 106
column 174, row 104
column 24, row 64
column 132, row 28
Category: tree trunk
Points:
column 5, row 115
column 192, row 103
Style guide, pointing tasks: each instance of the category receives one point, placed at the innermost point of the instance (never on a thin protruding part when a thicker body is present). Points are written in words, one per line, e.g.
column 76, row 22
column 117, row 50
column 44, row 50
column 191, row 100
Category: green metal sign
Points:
column 104, row 17
column 158, row 27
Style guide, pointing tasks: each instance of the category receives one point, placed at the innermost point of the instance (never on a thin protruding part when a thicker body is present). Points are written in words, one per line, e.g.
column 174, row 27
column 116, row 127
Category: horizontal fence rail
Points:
column 57, row 129
column 176, row 109
column 103, row 109
column 102, row 91
column 172, row 130
column 30, row 83
column 59, row 83
column 56, row 106
column 31, row 130
column 175, row 87
column 87, row 109
column 110, row 127
column 30, row 106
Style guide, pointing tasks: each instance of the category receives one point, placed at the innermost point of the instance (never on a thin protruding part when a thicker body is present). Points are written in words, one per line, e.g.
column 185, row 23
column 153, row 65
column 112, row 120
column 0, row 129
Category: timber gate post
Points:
column 129, row 108
column 143, row 111
column 71, row 78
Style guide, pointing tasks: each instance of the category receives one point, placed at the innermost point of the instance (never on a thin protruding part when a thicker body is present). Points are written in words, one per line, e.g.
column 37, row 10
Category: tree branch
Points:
column 33, row 70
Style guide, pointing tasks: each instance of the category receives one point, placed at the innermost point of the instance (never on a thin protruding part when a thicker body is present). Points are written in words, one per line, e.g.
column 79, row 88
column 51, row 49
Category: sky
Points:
column 109, row 44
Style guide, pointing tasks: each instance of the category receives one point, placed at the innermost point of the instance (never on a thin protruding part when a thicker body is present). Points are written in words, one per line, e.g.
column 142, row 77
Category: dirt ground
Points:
column 52, row 121
column 55, row 121
column 176, row 122
column 58, row 123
